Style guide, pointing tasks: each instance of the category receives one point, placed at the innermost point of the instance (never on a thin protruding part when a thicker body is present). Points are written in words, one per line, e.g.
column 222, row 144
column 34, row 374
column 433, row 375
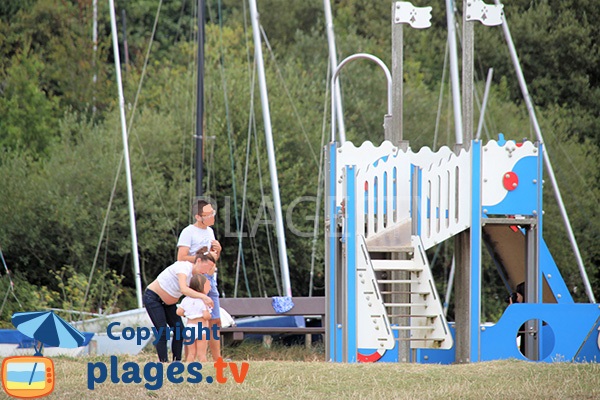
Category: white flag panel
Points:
column 416, row 17
column 487, row 14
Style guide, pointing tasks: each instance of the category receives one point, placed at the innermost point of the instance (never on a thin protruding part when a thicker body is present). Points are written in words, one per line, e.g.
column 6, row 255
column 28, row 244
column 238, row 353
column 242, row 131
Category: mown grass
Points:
column 296, row 373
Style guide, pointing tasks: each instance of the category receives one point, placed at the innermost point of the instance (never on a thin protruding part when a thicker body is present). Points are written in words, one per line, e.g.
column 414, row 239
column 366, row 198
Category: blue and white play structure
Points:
column 386, row 206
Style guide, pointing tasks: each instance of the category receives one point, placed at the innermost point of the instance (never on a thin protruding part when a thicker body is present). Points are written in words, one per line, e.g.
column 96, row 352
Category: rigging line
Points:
column 556, row 141
column 449, row 112
column 255, row 255
column 104, row 225
column 11, row 287
column 287, row 92
column 319, row 187
column 8, row 290
column 181, row 15
column 182, row 177
column 146, row 58
column 254, row 252
column 246, row 34
column 209, row 159
column 245, row 187
column 191, row 183
column 132, row 115
column 440, row 101
column 575, row 202
column 260, row 278
column 474, row 89
column 100, row 302
column 193, row 37
column 263, row 205
column 480, row 105
column 133, row 112
column 231, row 142
column 252, row 70
column 253, row 247
column 257, row 266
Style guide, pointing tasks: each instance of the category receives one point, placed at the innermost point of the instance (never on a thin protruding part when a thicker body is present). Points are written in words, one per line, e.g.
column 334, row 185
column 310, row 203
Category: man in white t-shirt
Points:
column 199, row 234
column 193, row 238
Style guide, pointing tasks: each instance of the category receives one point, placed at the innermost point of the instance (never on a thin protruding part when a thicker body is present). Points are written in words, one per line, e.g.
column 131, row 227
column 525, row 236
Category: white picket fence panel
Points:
column 445, row 201
column 383, row 189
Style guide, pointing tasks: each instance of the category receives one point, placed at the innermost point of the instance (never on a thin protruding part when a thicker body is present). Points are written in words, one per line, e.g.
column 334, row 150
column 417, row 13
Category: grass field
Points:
column 296, row 373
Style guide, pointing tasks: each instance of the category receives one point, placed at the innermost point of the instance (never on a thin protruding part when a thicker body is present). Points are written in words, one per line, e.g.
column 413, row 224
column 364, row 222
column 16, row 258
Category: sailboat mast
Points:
column 283, row 261
column 200, row 101
column 134, row 242
column 333, row 64
column 458, row 129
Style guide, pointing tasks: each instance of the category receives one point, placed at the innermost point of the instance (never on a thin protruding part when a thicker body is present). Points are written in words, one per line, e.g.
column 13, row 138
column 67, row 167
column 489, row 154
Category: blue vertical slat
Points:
column 540, row 213
column 331, row 292
column 350, row 323
column 475, row 286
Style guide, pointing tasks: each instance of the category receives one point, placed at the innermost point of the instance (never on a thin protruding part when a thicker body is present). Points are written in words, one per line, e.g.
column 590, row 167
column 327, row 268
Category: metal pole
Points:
column 458, row 129
column 283, row 261
column 486, row 93
column 95, row 41
column 538, row 132
column 200, row 102
column 333, row 61
column 134, row 244
column 336, row 72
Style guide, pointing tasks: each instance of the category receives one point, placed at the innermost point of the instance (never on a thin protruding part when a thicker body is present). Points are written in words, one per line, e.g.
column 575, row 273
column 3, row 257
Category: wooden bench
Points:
column 262, row 306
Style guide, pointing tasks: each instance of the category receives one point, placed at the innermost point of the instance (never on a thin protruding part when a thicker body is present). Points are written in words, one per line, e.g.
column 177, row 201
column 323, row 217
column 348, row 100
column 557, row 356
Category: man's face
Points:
column 207, row 215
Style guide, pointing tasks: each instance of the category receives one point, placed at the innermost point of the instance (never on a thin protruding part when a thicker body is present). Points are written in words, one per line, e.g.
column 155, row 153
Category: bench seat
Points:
column 257, row 306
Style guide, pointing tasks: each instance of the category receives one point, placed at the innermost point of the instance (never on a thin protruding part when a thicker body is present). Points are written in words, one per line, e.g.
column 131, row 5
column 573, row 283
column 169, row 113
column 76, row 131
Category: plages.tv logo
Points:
column 153, row 374
column 28, row 377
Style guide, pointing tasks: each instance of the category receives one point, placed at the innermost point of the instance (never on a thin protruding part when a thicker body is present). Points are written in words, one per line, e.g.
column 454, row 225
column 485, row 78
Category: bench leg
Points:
column 308, row 340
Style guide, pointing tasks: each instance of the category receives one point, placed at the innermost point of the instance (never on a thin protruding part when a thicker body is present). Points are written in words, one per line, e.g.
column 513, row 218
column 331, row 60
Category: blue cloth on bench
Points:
column 282, row 304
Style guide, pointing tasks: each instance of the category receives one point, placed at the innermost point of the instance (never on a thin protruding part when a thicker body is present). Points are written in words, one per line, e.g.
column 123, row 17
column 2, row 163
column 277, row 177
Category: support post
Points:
column 397, row 80
column 400, row 292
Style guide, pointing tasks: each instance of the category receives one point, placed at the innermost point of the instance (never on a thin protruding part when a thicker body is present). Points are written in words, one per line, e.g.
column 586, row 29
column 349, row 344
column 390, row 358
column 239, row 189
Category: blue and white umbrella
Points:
column 48, row 328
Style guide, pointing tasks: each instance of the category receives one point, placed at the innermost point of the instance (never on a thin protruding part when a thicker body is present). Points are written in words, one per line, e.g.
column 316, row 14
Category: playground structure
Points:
column 386, row 206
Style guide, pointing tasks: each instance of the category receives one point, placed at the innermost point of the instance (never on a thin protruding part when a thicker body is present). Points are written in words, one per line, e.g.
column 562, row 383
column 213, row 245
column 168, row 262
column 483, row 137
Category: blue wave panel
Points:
column 522, row 200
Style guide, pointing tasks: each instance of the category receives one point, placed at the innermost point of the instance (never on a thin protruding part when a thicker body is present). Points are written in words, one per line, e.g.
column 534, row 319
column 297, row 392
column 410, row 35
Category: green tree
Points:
column 28, row 117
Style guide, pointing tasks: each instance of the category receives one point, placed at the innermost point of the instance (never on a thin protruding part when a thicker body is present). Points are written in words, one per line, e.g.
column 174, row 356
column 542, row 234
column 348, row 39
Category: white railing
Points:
column 383, row 189
column 362, row 157
column 445, row 202
column 383, row 194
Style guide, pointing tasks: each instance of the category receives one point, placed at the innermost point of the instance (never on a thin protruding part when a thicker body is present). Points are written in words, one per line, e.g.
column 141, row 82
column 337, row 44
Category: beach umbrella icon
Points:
column 47, row 328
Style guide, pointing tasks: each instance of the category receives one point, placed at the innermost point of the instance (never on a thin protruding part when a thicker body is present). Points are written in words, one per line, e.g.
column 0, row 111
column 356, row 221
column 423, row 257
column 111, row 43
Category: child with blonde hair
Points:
column 198, row 315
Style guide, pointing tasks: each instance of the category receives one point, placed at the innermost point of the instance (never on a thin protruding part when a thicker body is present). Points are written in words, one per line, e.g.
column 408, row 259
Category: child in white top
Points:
column 198, row 315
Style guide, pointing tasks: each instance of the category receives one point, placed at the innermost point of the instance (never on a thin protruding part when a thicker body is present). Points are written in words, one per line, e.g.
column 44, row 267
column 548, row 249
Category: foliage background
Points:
column 60, row 138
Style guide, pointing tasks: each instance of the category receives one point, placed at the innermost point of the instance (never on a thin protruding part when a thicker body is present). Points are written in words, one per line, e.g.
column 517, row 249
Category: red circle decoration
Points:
column 510, row 181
